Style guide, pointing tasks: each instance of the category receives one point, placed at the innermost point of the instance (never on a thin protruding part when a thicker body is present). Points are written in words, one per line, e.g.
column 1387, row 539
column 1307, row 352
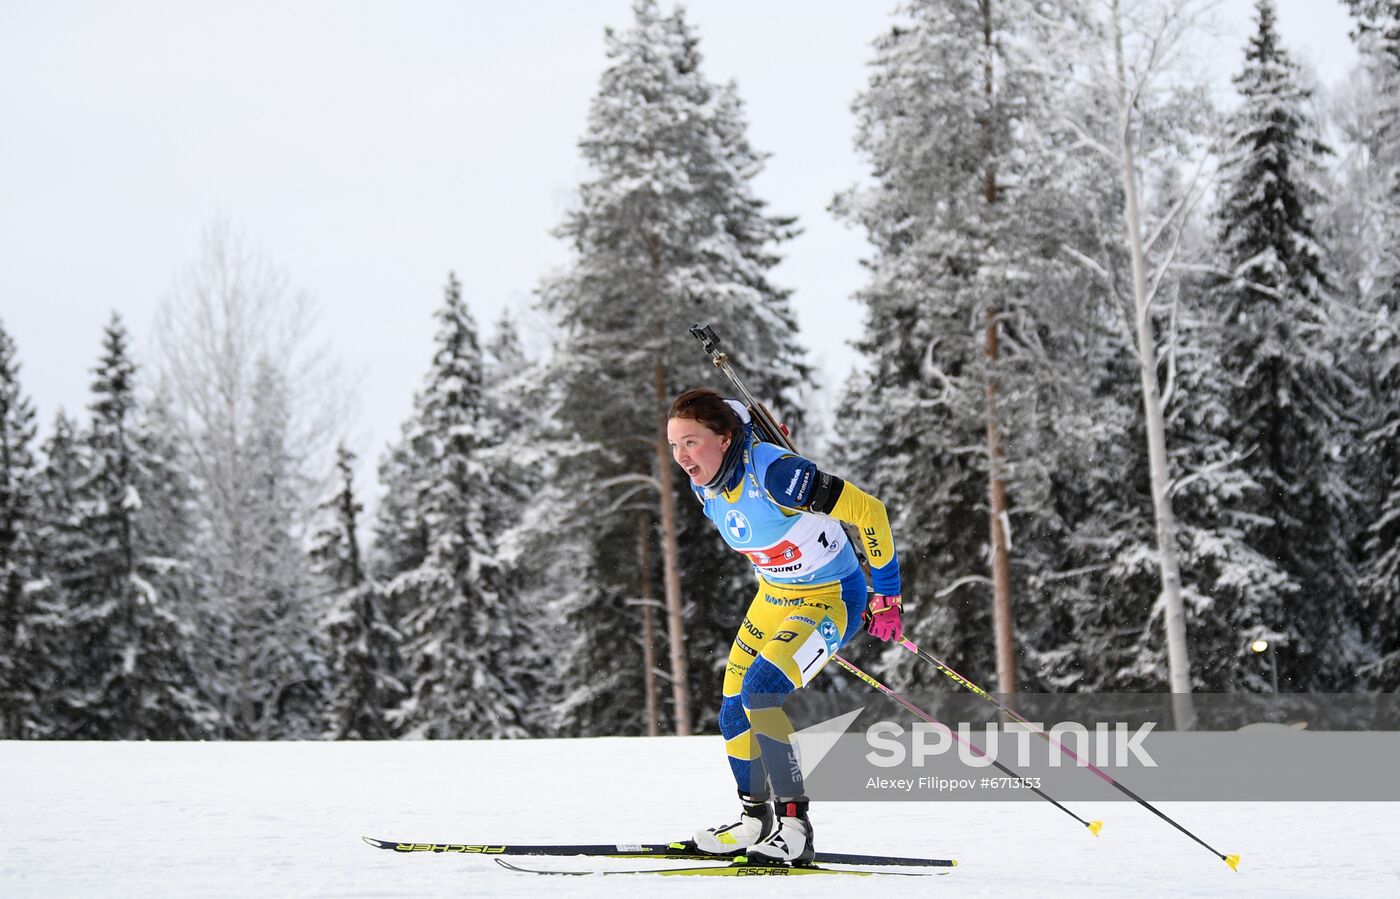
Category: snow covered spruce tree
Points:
column 400, row 535
column 459, row 624
column 667, row 232
column 1371, row 202
column 520, row 467
column 973, row 332
column 363, row 663
column 58, row 544
column 167, row 521
column 128, row 674
column 1380, row 572
column 18, row 562
column 256, row 404
column 1291, row 394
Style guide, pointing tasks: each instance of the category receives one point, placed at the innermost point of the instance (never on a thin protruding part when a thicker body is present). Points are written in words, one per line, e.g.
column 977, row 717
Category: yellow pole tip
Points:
column 1233, row 861
column 1095, row 827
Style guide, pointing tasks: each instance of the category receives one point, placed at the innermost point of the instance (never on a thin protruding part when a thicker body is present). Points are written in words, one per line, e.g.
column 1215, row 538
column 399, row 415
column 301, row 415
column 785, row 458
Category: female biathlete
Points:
column 784, row 513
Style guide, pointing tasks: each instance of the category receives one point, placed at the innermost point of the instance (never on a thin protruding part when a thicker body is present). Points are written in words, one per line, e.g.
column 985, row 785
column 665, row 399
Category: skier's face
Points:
column 696, row 449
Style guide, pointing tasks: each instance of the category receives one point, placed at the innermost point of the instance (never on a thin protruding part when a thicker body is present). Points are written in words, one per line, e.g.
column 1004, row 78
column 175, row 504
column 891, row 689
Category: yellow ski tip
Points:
column 1095, row 827
column 1233, row 861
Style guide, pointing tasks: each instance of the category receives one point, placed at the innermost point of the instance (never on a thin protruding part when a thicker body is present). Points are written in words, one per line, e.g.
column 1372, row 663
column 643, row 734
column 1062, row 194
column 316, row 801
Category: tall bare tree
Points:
column 258, row 404
column 1134, row 94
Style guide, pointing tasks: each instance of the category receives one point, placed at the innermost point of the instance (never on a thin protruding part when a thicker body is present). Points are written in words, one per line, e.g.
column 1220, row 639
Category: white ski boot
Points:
column 754, row 824
column 791, row 841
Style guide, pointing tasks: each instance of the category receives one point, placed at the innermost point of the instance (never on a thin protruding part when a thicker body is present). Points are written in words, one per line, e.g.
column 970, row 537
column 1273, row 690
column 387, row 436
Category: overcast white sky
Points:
column 369, row 148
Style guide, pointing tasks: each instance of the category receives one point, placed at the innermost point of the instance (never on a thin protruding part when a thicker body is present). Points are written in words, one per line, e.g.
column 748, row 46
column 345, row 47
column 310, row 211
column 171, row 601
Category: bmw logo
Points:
column 738, row 526
column 828, row 630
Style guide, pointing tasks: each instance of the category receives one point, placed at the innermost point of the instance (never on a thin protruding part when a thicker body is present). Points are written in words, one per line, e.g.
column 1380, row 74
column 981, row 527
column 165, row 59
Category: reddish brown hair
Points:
column 708, row 407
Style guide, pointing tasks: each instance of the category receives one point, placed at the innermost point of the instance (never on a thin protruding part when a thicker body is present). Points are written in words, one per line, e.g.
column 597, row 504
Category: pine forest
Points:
column 1129, row 386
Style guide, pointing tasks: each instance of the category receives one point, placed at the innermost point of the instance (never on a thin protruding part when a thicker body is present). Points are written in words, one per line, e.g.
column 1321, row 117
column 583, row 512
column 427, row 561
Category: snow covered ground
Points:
column 270, row 819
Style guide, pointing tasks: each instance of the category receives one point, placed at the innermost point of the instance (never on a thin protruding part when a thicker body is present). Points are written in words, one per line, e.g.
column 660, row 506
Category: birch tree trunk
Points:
column 1178, row 660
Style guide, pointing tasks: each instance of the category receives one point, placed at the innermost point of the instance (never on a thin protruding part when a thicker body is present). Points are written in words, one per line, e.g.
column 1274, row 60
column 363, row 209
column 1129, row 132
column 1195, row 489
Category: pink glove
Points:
column 884, row 617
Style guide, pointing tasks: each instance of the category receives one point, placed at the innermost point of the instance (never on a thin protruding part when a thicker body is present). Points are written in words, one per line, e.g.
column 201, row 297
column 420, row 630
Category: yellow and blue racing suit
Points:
column 784, row 514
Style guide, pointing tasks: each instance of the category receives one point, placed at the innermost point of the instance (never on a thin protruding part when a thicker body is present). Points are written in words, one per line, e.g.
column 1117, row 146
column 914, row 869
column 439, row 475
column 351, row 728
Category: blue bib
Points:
column 786, row 546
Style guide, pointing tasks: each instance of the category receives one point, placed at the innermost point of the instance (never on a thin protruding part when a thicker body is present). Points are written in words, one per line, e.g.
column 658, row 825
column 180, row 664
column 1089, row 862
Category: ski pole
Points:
column 1231, row 860
column 1094, row 826
column 947, row 669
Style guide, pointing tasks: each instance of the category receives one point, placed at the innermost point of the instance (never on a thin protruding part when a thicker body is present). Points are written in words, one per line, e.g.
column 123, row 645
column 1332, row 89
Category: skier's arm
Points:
column 868, row 514
column 796, row 483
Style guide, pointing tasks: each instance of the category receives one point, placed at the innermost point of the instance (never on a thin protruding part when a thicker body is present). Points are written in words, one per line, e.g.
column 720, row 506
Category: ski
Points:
column 739, row 868
column 679, row 851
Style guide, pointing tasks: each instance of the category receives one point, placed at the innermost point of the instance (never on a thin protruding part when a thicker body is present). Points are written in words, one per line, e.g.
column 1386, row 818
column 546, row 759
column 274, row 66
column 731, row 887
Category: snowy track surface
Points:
column 285, row 819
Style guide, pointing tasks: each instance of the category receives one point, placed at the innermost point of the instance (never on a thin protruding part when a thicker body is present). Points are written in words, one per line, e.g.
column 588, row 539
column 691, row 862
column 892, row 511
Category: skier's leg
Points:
column 760, row 620
column 756, row 818
column 791, row 658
